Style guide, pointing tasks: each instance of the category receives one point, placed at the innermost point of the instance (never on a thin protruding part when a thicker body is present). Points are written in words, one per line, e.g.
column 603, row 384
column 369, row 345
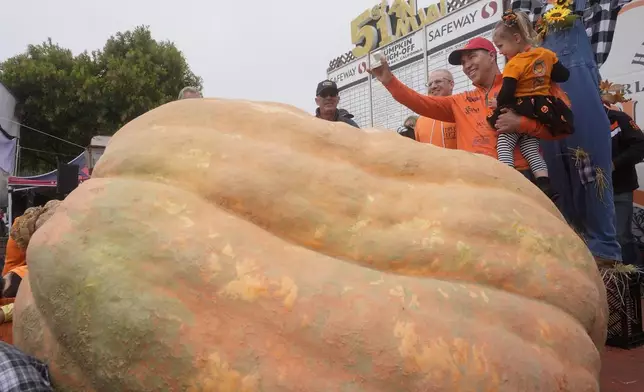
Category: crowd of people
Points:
column 545, row 114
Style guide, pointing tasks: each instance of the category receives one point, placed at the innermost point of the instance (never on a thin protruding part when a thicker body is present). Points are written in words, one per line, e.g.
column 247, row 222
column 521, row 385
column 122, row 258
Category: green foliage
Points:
column 77, row 97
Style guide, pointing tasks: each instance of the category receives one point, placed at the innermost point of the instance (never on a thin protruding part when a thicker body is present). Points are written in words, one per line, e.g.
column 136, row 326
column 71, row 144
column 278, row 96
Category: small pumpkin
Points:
column 229, row 245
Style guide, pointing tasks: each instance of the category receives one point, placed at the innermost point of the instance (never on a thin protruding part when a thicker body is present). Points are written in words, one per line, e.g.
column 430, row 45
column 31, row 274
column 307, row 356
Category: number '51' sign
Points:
column 382, row 24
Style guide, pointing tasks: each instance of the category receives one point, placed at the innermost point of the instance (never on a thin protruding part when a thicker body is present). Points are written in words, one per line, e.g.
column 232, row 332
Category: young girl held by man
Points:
column 527, row 78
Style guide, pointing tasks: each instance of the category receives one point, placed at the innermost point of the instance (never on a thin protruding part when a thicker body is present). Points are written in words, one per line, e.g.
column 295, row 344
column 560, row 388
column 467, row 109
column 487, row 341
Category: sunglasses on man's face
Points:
column 328, row 94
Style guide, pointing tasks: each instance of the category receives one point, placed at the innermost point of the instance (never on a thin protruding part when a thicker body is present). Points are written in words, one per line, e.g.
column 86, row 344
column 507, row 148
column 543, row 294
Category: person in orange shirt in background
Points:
column 15, row 265
column 15, row 256
column 428, row 130
column 14, row 270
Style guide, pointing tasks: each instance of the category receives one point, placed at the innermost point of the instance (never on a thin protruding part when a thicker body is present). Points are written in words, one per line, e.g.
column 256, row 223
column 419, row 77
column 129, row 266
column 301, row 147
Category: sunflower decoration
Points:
column 557, row 18
column 556, row 15
column 563, row 3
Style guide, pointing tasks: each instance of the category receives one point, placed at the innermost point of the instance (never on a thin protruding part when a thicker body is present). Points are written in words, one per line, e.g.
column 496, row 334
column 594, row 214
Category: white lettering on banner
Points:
column 464, row 21
column 350, row 73
column 450, row 27
column 404, row 49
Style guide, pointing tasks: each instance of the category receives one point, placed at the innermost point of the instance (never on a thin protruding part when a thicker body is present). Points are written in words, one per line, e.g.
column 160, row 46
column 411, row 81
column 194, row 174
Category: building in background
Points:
column 415, row 42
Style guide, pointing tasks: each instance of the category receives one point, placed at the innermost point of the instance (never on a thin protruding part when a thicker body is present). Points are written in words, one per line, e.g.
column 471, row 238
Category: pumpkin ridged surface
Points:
column 239, row 246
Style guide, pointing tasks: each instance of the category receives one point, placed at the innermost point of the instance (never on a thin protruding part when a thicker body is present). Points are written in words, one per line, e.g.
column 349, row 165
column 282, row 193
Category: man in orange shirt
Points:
column 473, row 133
column 428, row 130
column 469, row 110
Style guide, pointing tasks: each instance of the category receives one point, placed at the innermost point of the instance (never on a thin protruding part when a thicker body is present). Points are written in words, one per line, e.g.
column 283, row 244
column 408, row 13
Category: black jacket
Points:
column 628, row 150
column 340, row 115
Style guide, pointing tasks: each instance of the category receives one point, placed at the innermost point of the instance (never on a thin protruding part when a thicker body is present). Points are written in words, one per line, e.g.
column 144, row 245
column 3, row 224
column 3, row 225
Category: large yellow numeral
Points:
column 364, row 37
column 405, row 11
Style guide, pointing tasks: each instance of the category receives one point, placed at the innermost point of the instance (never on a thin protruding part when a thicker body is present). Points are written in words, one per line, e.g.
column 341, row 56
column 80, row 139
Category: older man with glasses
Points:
column 428, row 130
column 327, row 98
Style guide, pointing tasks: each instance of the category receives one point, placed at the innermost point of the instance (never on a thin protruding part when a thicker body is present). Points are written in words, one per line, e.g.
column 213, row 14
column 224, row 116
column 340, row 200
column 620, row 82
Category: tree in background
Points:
column 77, row 97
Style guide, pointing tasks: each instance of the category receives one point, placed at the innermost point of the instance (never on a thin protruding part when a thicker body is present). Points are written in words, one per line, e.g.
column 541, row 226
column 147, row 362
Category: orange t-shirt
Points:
column 14, row 257
column 468, row 111
column 438, row 133
column 532, row 71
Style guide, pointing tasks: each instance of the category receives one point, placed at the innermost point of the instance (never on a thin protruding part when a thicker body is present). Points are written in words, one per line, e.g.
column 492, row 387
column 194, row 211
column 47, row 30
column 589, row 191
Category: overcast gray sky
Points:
column 255, row 49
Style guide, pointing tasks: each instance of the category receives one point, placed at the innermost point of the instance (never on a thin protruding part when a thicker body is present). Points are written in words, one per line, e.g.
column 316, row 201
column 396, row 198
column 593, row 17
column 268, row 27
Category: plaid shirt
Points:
column 587, row 173
column 600, row 18
column 21, row 373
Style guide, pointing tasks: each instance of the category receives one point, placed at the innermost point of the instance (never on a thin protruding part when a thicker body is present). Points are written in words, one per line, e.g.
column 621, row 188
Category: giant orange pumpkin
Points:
column 241, row 246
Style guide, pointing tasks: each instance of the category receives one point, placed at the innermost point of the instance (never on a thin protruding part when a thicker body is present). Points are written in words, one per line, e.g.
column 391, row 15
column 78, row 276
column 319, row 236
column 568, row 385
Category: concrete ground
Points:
column 622, row 370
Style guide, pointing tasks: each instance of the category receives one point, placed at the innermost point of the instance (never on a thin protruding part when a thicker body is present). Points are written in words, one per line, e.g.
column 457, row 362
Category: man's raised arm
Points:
column 438, row 108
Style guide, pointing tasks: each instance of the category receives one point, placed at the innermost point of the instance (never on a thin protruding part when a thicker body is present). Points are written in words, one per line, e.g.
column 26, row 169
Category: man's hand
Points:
column 382, row 73
column 508, row 121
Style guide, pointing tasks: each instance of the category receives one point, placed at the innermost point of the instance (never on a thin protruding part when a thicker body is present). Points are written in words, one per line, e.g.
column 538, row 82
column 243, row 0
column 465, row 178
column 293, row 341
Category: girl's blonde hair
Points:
column 518, row 23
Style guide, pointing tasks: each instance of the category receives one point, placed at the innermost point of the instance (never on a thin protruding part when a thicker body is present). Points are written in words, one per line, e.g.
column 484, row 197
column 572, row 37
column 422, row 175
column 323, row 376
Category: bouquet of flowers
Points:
column 560, row 17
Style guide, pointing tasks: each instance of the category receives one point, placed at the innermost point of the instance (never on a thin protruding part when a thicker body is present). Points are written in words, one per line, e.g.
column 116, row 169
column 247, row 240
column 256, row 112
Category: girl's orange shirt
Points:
column 532, row 71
